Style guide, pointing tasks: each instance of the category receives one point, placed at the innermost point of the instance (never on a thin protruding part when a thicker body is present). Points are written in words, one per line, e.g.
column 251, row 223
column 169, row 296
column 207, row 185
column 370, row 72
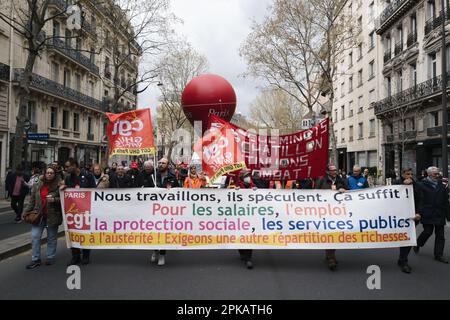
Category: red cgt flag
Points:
column 219, row 152
column 130, row 133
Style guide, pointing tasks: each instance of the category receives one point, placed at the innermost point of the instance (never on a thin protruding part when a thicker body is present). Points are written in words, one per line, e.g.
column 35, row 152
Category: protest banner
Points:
column 150, row 218
column 220, row 153
column 130, row 133
column 300, row 155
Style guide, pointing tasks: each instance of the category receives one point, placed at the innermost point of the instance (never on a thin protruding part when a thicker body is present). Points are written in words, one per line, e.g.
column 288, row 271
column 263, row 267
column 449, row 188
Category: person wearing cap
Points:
column 245, row 182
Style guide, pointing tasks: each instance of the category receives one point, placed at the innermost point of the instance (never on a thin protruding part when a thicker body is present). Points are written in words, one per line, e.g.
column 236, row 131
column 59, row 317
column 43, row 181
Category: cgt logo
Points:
column 126, row 127
column 77, row 210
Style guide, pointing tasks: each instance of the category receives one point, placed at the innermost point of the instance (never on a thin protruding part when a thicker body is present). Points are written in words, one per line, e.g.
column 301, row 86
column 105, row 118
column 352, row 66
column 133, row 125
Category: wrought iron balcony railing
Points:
column 4, row 72
column 415, row 93
column 56, row 89
column 411, row 134
column 434, row 23
column 73, row 54
column 387, row 55
column 436, row 130
column 412, row 38
column 393, row 11
column 398, row 48
column 90, row 137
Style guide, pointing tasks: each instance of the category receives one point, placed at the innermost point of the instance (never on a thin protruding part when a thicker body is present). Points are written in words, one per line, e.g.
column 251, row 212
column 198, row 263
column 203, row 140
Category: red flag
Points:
column 219, row 152
column 300, row 155
column 130, row 133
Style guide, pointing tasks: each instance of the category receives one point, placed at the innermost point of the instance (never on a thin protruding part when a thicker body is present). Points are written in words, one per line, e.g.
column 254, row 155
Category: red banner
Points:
column 282, row 157
column 219, row 152
column 130, row 133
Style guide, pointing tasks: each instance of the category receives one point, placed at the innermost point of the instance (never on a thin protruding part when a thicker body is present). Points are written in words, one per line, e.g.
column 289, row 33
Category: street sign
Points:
column 38, row 136
column 37, row 142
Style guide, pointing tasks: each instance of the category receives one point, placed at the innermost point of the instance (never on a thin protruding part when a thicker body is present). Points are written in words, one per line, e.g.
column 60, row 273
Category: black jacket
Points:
column 170, row 179
column 326, row 183
column 433, row 205
column 120, row 182
column 146, row 180
column 416, row 192
column 84, row 180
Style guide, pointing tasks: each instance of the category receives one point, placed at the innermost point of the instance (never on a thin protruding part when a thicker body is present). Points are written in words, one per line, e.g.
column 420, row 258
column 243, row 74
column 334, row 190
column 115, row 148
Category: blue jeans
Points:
column 52, row 240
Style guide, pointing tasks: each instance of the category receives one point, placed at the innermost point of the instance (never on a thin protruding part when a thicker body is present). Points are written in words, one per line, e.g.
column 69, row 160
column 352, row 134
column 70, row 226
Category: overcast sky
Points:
column 217, row 28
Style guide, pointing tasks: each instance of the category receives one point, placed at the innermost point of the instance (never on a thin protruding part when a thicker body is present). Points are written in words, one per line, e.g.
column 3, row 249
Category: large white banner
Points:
column 148, row 218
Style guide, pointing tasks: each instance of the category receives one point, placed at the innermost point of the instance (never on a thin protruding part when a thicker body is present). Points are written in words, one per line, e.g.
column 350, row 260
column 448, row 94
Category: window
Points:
column 342, row 89
column 371, row 40
column 91, row 88
column 342, row 112
column 360, row 50
column 350, row 59
column 350, row 133
column 31, row 111
column 342, row 135
column 106, row 93
column 413, row 72
column 89, row 125
column 432, row 69
column 305, row 123
column 350, row 109
column 56, row 28
column 92, row 55
column 66, row 81
column 413, row 24
column 105, row 128
column 371, row 69
column 360, row 130
column 78, row 44
column 77, row 82
column 372, row 128
column 350, row 84
column 371, row 12
column 389, row 86
column 399, row 82
column 68, row 38
column 409, row 124
column 360, row 76
column 55, row 71
column 434, row 119
column 372, row 96
column 53, row 117
column 360, row 104
column 65, row 120
column 76, row 121
column 335, row 115
column 360, row 24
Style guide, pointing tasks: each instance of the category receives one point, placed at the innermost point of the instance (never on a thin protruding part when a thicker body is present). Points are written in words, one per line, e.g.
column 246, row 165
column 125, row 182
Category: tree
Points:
column 144, row 33
column 177, row 68
column 275, row 109
column 296, row 49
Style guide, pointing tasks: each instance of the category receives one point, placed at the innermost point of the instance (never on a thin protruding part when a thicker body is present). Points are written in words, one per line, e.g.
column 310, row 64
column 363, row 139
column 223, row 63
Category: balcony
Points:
column 53, row 88
column 73, row 54
column 416, row 93
column 90, row 137
column 61, row 5
column 435, row 131
column 411, row 134
column 387, row 55
column 4, row 72
column 392, row 13
column 434, row 23
column 412, row 39
column 398, row 48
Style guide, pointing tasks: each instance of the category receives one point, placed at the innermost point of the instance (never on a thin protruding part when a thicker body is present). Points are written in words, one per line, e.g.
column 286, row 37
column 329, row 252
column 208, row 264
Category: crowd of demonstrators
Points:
column 431, row 199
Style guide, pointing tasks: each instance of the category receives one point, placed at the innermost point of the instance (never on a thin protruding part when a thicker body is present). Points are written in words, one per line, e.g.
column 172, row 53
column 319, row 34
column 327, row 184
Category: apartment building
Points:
column 72, row 84
column 409, row 106
column 356, row 91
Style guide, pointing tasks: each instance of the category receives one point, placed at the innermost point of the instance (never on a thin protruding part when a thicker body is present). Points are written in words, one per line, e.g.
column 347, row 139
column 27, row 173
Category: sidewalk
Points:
column 5, row 205
column 12, row 246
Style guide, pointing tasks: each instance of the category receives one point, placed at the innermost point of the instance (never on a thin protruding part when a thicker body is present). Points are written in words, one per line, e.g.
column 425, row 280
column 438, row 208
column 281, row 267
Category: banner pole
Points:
column 154, row 168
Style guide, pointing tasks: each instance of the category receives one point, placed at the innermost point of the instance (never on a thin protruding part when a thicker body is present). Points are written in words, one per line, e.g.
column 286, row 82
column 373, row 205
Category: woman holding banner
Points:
column 45, row 200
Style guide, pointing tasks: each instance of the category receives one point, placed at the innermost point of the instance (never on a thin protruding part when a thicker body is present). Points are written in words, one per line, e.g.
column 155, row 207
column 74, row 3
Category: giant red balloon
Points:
column 208, row 94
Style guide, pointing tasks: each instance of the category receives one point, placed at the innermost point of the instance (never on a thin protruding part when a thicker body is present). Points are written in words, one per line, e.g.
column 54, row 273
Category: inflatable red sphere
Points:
column 208, row 94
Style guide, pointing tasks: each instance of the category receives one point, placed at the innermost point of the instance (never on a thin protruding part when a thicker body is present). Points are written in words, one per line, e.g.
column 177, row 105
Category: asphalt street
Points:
column 9, row 228
column 219, row 274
